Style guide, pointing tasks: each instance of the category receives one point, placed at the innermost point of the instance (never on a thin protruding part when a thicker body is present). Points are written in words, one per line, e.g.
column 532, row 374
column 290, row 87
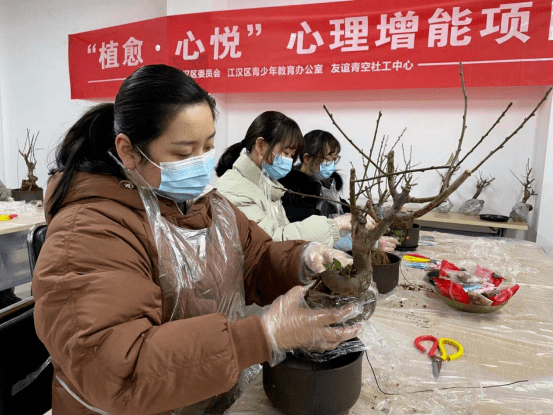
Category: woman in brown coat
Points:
column 141, row 283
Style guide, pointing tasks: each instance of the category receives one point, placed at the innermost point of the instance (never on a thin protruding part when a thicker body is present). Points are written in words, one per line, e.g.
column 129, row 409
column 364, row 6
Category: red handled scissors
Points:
column 437, row 360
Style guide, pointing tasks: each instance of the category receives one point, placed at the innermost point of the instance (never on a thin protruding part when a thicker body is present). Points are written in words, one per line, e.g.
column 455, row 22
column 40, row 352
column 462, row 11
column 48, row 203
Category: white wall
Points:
column 545, row 224
column 34, row 71
column 34, row 93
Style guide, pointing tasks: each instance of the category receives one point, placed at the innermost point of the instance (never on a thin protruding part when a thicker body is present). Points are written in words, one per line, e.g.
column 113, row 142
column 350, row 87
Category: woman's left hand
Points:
column 316, row 254
column 387, row 244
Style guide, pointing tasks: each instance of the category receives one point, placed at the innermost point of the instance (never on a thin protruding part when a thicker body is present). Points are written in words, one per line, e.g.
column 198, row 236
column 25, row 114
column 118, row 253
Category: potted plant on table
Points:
column 520, row 210
column 29, row 190
column 474, row 206
column 322, row 383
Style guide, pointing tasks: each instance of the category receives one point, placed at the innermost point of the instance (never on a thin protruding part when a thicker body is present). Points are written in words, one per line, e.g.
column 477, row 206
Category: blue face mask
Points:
column 281, row 167
column 185, row 180
column 325, row 171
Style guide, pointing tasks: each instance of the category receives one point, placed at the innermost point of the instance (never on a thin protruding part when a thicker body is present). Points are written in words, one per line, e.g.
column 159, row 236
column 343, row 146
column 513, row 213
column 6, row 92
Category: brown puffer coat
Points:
column 98, row 310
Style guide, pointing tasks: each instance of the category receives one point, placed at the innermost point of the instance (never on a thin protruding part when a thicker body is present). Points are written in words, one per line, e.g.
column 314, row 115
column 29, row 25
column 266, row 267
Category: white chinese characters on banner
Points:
column 439, row 28
column 354, row 32
column 514, row 22
column 108, row 55
column 256, row 71
column 133, row 52
column 401, row 29
column 229, row 40
column 371, row 66
column 184, row 47
column 300, row 49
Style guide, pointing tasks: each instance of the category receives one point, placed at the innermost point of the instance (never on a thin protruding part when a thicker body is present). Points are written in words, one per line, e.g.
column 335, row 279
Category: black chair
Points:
column 35, row 240
column 26, row 371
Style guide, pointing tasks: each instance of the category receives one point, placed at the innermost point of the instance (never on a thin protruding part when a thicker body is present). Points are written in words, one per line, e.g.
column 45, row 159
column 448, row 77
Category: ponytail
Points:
column 228, row 158
column 146, row 104
column 85, row 148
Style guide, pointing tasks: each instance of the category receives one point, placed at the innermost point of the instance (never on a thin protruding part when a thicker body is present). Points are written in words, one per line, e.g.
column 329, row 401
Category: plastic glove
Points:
column 343, row 222
column 387, row 244
column 344, row 243
column 316, row 254
column 291, row 324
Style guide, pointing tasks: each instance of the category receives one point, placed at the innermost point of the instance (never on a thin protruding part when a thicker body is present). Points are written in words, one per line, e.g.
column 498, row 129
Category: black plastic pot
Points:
column 28, row 195
column 386, row 276
column 410, row 237
column 298, row 386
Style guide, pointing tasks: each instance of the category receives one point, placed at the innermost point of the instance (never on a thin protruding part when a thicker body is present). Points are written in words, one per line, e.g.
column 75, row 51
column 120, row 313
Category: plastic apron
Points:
column 199, row 272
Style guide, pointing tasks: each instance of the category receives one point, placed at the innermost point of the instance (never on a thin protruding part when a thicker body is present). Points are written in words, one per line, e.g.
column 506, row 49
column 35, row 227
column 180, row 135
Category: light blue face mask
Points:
column 281, row 167
column 185, row 180
column 325, row 171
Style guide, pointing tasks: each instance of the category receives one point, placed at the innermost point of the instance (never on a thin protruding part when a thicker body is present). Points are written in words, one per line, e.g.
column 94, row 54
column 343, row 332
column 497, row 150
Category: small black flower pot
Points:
column 409, row 237
column 27, row 195
column 299, row 386
column 386, row 276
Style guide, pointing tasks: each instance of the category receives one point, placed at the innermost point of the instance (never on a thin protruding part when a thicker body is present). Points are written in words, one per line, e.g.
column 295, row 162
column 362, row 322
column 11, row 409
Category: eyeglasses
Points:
column 328, row 162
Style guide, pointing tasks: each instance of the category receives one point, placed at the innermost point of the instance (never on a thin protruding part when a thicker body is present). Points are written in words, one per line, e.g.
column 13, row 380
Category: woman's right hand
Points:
column 291, row 324
column 343, row 222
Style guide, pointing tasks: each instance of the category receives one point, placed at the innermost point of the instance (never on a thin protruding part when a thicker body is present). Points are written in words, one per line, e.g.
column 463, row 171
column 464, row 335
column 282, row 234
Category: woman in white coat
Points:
column 271, row 144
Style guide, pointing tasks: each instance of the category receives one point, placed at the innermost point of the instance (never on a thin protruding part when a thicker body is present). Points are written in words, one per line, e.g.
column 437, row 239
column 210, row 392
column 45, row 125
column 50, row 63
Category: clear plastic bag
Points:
column 200, row 271
column 327, row 207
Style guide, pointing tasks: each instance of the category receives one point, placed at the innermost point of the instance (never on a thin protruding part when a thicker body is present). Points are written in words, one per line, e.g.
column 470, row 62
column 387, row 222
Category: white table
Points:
column 514, row 343
column 433, row 218
column 14, row 259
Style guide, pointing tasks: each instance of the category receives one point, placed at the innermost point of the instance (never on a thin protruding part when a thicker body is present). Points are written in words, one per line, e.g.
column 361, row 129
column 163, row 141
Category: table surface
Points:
column 24, row 221
column 462, row 219
column 512, row 344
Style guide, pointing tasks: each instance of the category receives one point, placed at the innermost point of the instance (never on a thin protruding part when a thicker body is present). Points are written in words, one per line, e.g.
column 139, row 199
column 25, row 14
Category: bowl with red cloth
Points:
column 478, row 292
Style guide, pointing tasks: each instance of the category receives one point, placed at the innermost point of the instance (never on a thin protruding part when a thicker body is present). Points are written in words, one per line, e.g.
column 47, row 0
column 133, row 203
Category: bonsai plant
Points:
column 474, row 206
column 338, row 285
column 520, row 210
column 29, row 190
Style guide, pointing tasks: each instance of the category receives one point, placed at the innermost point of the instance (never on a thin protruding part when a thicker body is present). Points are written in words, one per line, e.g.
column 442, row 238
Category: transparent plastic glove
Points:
column 343, row 222
column 291, row 324
column 371, row 224
column 344, row 243
column 387, row 244
column 316, row 254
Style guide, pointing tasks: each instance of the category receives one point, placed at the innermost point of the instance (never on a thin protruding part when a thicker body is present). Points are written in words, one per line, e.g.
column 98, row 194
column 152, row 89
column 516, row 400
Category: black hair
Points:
column 146, row 104
column 317, row 143
column 274, row 127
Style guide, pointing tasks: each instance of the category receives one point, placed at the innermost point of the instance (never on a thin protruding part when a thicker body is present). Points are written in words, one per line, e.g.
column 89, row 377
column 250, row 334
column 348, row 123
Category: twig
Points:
column 396, row 173
column 514, row 132
column 485, row 135
column 449, row 173
column 350, row 141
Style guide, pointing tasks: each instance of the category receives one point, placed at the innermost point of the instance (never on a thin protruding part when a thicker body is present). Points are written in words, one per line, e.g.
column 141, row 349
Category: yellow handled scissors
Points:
column 437, row 360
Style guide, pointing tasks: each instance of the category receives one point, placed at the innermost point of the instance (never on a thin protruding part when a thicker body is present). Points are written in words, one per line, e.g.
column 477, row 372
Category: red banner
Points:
column 328, row 46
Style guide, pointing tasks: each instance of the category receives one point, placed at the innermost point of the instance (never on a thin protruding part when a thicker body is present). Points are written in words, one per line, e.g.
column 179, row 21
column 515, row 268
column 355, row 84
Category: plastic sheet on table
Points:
column 19, row 207
column 507, row 365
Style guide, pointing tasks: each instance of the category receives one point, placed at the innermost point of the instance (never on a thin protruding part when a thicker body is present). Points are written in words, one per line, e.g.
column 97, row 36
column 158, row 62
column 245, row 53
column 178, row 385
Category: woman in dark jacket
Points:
column 315, row 175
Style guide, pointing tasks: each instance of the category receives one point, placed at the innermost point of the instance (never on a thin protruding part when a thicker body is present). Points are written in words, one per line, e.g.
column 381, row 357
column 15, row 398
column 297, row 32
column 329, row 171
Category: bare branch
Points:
column 449, row 173
column 485, row 135
column 516, row 130
column 350, row 141
column 443, row 195
column 397, row 173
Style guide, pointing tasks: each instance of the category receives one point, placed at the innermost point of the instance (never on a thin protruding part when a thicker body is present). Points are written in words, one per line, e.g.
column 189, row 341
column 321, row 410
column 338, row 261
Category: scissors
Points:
column 437, row 360
column 417, row 258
